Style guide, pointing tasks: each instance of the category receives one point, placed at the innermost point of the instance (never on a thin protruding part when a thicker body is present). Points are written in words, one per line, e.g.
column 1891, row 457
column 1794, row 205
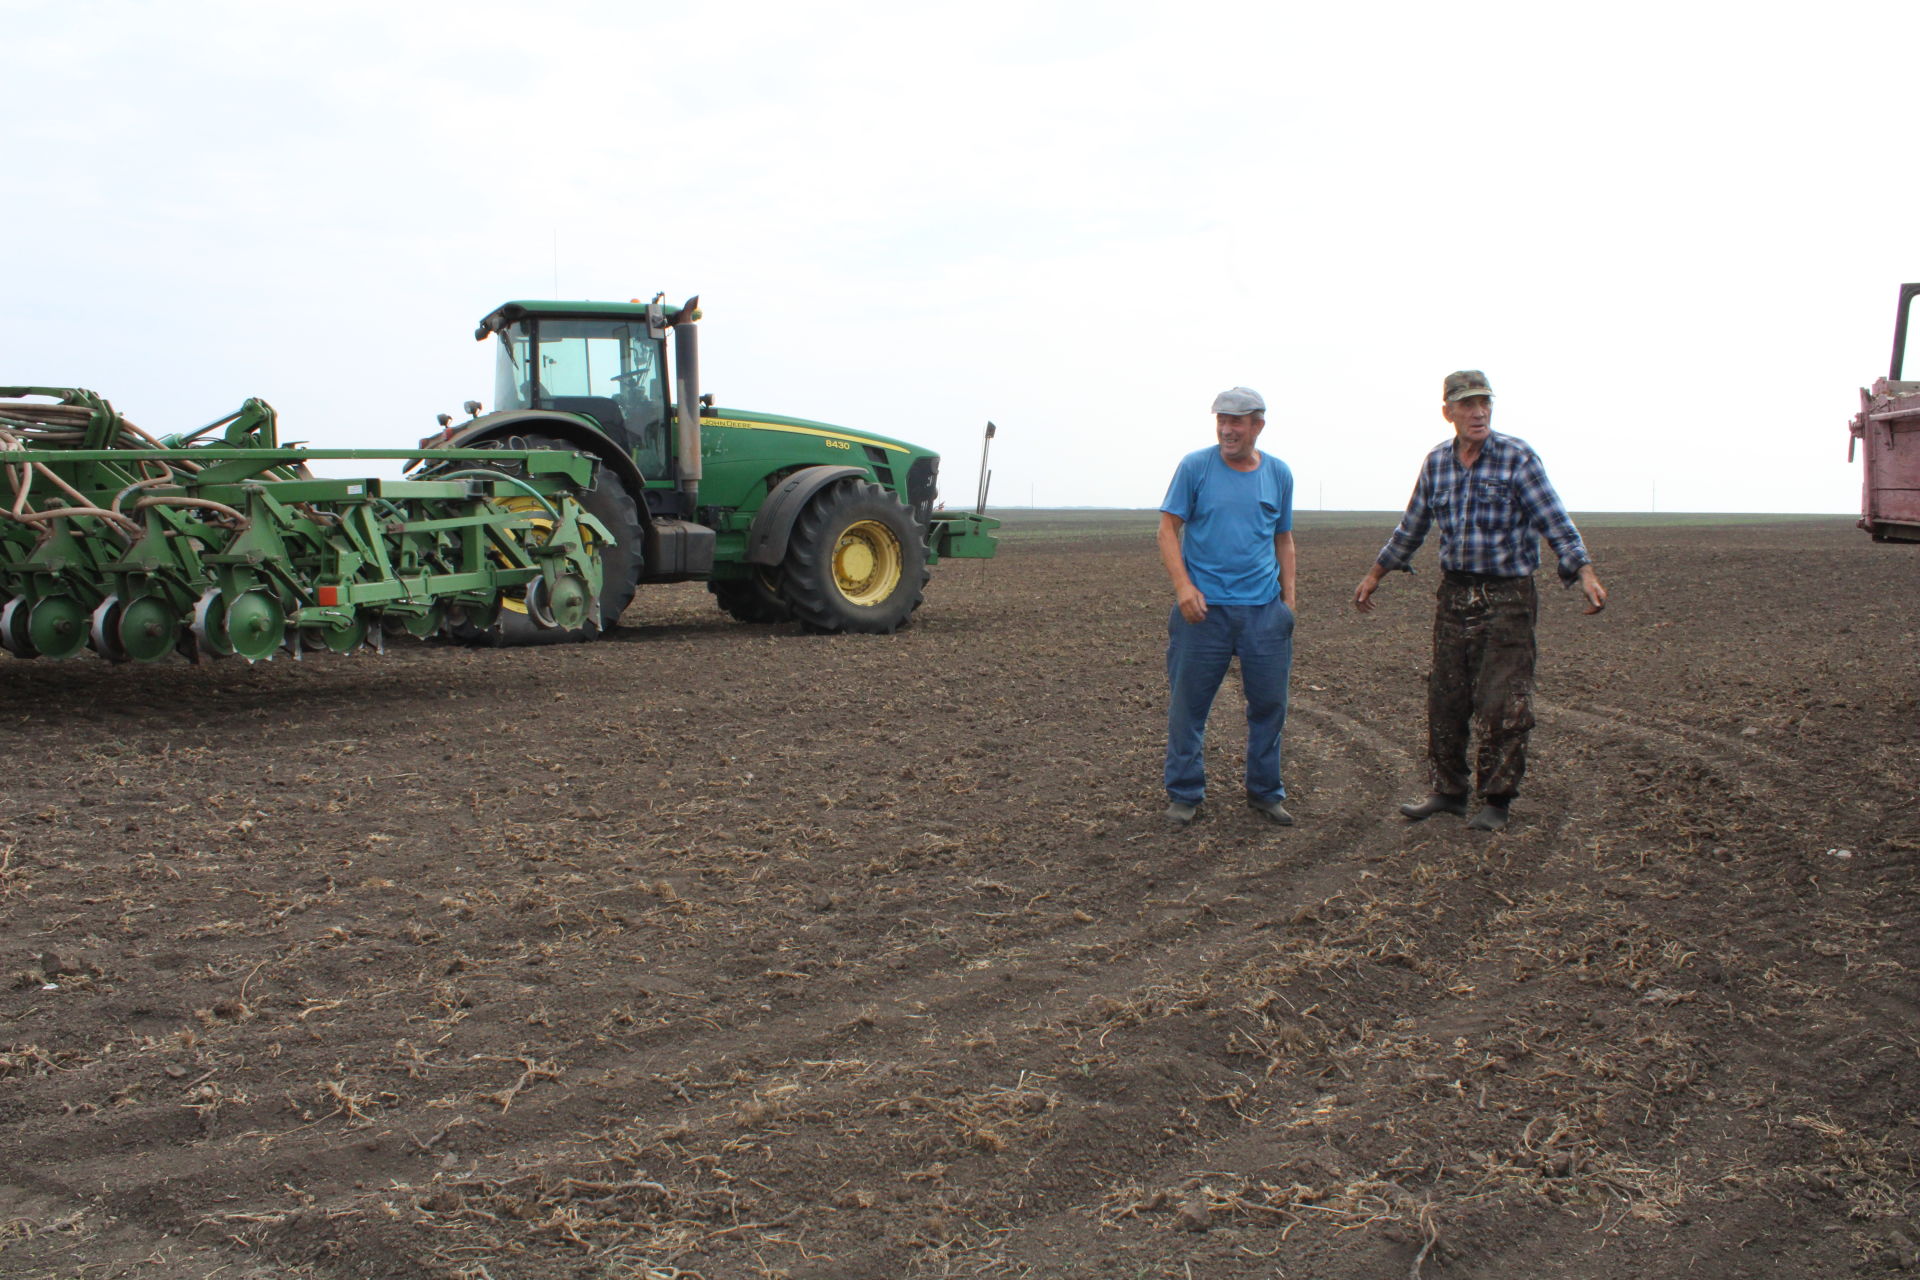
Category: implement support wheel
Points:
column 608, row 502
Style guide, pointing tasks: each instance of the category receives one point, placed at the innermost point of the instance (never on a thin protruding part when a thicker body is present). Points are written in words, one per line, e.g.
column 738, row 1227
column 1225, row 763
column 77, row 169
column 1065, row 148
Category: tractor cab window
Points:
column 607, row 370
column 512, row 379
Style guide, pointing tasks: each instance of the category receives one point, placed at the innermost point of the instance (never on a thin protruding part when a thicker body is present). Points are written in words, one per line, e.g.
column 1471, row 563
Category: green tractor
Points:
column 596, row 471
column 783, row 518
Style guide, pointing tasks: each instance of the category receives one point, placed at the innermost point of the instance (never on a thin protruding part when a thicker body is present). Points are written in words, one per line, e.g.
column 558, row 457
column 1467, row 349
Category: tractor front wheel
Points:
column 856, row 561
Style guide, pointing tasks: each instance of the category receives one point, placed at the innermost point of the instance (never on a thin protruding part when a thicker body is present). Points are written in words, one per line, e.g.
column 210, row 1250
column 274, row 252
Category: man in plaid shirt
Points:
column 1493, row 503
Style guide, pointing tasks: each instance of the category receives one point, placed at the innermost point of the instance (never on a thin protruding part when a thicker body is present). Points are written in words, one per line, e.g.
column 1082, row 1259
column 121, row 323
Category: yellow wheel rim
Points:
column 522, row 504
column 866, row 562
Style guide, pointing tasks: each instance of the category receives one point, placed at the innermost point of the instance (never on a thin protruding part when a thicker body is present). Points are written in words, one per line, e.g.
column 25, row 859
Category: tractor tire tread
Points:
column 808, row 583
column 746, row 600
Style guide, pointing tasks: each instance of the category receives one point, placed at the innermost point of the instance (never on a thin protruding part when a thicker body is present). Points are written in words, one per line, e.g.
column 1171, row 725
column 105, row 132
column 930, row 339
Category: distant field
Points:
column 1068, row 522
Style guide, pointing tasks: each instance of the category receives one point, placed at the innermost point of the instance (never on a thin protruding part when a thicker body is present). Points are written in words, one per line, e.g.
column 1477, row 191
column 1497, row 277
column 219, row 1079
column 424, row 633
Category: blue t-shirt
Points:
column 1231, row 518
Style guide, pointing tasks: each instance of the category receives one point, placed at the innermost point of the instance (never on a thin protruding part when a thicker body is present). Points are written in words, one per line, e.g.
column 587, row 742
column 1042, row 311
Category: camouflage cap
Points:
column 1238, row 400
column 1464, row 383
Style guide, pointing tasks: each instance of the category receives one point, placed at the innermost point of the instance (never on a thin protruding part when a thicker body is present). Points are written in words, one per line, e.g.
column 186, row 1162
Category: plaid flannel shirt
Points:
column 1491, row 516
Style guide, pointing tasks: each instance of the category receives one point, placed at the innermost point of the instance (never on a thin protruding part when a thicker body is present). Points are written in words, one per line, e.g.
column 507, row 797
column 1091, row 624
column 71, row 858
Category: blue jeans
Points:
column 1198, row 654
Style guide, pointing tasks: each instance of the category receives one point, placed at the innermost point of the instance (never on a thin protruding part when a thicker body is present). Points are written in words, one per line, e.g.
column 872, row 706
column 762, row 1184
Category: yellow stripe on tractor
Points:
column 801, row 431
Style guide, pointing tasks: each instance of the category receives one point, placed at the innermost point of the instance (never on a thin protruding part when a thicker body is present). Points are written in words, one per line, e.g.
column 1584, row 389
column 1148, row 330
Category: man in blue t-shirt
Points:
column 1226, row 538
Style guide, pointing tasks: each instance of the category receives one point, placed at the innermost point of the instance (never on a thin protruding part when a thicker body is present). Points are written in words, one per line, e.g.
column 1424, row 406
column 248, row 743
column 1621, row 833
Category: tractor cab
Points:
column 605, row 361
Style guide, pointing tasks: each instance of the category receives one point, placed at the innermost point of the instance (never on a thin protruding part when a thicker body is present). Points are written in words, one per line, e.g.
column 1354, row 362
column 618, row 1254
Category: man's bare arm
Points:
column 1590, row 587
column 1363, row 594
column 1193, row 605
column 1283, row 551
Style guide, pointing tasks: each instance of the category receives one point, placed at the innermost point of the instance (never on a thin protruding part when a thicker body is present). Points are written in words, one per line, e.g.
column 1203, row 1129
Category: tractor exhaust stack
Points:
column 686, row 376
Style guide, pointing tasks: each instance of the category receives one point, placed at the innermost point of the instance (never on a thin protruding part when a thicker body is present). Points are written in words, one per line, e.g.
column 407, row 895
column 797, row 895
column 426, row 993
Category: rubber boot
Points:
column 1492, row 815
column 1435, row 803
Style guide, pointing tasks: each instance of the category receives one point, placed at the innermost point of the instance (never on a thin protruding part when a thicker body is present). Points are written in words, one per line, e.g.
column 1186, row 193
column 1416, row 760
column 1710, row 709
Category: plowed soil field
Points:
column 713, row 950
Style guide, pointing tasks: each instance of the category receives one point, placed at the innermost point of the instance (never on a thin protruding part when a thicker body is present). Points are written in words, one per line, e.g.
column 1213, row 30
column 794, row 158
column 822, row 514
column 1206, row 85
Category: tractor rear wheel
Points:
column 856, row 561
column 750, row 599
column 608, row 502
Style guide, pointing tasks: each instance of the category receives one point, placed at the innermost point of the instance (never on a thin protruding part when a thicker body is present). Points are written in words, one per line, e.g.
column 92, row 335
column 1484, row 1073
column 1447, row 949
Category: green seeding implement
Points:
column 535, row 522
column 139, row 546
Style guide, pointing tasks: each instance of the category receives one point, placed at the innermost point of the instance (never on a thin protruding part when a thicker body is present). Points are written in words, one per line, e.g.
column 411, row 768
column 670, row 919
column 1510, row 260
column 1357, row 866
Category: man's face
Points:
column 1237, row 432
column 1472, row 418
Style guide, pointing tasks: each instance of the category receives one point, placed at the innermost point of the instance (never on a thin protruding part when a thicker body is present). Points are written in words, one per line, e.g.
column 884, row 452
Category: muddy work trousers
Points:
column 1482, row 681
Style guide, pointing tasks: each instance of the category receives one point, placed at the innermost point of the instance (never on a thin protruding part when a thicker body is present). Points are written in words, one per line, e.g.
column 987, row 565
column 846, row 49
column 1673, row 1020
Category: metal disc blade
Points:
column 536, row 603
column 342, row 637
column 58, row 626
column 570, row 602
column 469, row 621
column 148, row 628
column 104, row 635
column 255, row 625
column 13, row 629
column 422, row 624
column 210, row 625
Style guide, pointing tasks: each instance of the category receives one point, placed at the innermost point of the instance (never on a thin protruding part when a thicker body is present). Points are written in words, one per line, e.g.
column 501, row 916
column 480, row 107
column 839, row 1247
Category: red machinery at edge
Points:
column 1889, row 425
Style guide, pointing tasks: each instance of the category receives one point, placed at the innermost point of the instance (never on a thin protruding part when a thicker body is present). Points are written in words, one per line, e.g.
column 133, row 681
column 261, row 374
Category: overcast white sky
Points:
column 1670, row 233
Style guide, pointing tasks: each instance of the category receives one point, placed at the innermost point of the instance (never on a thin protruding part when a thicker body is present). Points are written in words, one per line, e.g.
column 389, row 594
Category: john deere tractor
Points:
column 784, row 518
column 597, row 470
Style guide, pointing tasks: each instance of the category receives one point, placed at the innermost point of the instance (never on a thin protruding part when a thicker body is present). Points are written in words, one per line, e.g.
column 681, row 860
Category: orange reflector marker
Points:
column 328, row 596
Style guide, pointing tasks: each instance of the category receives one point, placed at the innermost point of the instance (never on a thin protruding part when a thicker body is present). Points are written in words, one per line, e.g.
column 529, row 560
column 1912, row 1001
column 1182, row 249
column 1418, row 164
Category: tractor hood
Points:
column 754, row 420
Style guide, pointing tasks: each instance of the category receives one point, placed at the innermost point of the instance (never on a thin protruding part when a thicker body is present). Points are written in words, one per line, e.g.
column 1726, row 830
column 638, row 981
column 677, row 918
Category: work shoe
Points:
column 1435, row 803
column 1272, row 810
column 1492, row 816
column 1181, row 814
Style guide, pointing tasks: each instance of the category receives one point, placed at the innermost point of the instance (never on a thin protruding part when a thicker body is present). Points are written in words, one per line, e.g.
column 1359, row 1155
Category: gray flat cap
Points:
column 1239, row 400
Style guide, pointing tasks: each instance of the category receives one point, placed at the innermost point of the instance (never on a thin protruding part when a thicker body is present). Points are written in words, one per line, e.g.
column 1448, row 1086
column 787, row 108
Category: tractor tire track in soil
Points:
column 720, row 950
